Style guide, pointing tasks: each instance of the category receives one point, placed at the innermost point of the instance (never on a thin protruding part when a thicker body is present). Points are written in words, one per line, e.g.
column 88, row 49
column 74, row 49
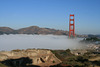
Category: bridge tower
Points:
column 71, row 26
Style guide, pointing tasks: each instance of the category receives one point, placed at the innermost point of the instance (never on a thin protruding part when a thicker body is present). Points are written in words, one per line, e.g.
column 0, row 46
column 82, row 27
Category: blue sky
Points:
column 51, row 14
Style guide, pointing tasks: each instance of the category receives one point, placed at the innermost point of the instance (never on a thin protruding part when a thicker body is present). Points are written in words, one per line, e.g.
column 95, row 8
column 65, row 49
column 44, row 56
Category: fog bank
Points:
column 23, row 41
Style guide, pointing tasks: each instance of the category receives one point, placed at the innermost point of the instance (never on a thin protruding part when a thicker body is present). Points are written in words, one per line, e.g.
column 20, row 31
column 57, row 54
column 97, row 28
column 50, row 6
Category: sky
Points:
column 51, row 14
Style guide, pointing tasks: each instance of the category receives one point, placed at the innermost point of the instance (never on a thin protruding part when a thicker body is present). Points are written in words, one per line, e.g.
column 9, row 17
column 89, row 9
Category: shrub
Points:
column 53, row 61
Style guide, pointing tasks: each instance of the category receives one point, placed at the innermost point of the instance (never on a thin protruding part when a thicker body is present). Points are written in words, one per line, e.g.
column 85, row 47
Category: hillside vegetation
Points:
column 70, row 60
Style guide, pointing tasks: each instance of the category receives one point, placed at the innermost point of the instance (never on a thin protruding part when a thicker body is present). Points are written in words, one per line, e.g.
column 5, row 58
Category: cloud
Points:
column 23, row 41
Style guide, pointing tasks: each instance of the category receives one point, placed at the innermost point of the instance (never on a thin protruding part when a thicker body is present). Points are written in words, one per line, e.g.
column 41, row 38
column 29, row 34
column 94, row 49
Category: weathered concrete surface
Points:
column 39, row 57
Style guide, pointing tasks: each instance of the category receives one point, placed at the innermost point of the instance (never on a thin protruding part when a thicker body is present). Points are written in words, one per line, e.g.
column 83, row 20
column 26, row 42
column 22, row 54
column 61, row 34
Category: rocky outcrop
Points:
column 39, row 57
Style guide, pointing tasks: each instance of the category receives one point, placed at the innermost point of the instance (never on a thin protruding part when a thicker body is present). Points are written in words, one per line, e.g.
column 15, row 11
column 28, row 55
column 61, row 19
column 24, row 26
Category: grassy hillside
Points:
column 70, row 60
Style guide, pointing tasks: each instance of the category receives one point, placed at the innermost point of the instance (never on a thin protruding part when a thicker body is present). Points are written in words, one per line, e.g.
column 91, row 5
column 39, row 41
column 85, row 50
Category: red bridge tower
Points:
column 71, row 26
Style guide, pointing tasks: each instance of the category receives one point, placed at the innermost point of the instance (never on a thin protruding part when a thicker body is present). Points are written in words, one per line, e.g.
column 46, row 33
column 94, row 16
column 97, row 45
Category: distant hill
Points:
column 6, row 30
column 90, row 35
column 32, row 30
column 35, row 30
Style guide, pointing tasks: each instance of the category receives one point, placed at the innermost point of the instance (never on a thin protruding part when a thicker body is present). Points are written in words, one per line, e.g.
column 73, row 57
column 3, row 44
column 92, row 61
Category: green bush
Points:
column 2, row 65
column 53, row 61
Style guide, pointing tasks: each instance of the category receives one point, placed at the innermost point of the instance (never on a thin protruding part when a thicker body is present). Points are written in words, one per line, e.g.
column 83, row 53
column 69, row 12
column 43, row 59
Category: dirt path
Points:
column 94, row 59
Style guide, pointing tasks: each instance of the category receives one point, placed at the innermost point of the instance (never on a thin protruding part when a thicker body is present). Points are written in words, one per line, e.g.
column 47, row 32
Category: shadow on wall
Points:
column 21, row 62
